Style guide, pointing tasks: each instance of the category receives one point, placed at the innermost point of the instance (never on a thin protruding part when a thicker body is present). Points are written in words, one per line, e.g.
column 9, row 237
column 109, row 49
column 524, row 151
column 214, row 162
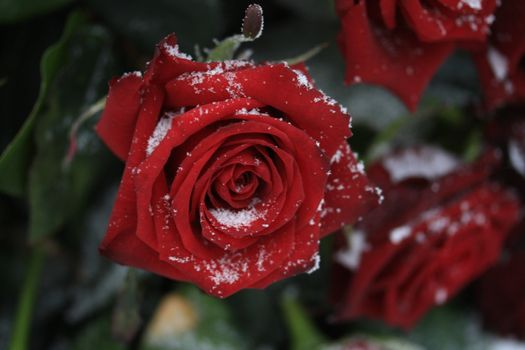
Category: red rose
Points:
column 440, row 226
column 400, row 43
column 501, row 63
column 234, row 171
column 501, row 296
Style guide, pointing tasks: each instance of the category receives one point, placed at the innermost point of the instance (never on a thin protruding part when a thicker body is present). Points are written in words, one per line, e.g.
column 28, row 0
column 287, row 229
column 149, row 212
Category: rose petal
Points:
column 124, row 214
column 349, row 194
column 117, row 123
column 275, row 85
column 168, row 63
column 394, row 59
column 303, row 257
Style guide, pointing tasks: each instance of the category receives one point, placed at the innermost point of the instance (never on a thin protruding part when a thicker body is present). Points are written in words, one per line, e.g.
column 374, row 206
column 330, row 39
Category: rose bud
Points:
column 501, row 296
column 500, row 62
column 401, row 44
column 234, row 171
column 441, row 225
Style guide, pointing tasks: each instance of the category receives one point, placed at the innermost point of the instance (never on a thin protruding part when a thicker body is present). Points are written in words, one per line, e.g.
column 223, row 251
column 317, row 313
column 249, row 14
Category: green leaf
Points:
column 226, row 48
column 126, row 315
column 57, row 191
column 145, row 24
column 303, row 332
column 17, row 10
column 265, row 304
column 449, row 327
column 15, row 159
column 210, row 324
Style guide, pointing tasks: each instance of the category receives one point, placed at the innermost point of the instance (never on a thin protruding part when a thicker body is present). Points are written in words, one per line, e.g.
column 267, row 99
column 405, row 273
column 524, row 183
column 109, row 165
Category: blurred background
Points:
column 58, row 293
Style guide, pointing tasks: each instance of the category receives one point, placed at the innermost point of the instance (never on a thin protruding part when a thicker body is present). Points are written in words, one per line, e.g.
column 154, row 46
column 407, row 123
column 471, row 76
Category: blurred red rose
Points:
column 441, row 225
column 501, row 296
column 507, row 132
column 234, row 171
column 401, row 43
column 501, row 63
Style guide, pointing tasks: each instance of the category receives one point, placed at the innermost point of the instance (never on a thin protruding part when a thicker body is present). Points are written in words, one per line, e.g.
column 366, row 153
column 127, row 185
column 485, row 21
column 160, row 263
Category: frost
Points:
column 317, row 263
column 162, row 128
column 173, row 51
column 357, row 245
column 498, row 63
column 302, row 80
column 180, row 260
column 400, row 233
column 137, row 74
column 261, row 258
column 253, row 111
column 336, row 157
column 379, row 193
column 226, row 270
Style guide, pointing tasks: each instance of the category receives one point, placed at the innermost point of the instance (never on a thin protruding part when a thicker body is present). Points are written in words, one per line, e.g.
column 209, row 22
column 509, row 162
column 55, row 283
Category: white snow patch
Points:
column 137, row 74
column 238, row 218
column 162, row 128
column 253, row 111
column 437, row 226
column 427, row 162
column 180, row 260
column 400, row 233
column 498, row 63
column 173, row 51
column 261, row 258
column 517, row 157
column 351, row 256
column 317, row 263
column 302, row 80
column 336, row 157
column 441, row 296
column 497, row 343
column 473, row 4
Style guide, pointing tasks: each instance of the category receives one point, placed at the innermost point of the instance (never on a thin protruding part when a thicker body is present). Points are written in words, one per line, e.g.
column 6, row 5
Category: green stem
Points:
column 86, row 115
column 391, row 130
column 304, row 334
column 384, row 136
column 24, row 313
column 307, row 55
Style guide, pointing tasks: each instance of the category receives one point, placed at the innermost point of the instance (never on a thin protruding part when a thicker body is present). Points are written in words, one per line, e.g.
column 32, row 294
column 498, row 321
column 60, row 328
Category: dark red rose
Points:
column 401, row 43
column 501, row 63
column 441, row 225
column 234, row 171
column 501, row 296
